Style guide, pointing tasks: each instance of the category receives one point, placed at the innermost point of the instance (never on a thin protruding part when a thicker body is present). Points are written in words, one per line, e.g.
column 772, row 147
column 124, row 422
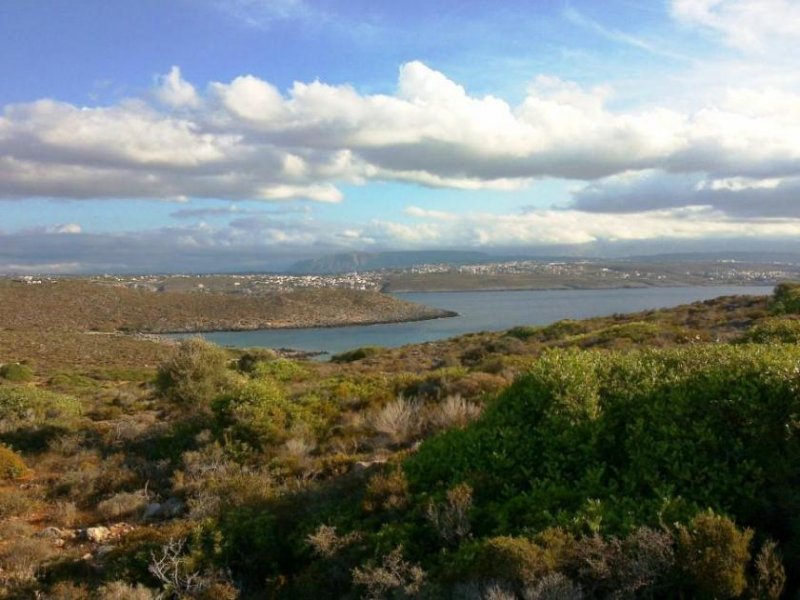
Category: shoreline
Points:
column 577, row 289
column 445, row 314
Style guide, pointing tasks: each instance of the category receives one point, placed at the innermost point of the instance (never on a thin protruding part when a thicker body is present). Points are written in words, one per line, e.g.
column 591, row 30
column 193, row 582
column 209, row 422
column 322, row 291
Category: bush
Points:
column 649, row 435
column 357, row 354
column 11, row 464
column 14, row 503
column 454, row 411
column 16, row 372
column 398, row 420
column 21, row 559
column 33, row 405
column 195, row 373
column 715, row 554
column 253, row 357
column 774, row 330
column 770, row 576
column 514, row 560
column 392, row 578
column 386, row 491
column 259, row 412
column 119, row 590
column 67, row 590
column 557, row 331
column 786, row 299
column 281, row 369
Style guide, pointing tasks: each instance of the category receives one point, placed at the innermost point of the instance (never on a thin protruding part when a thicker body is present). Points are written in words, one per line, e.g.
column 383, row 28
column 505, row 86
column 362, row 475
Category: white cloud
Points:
column 745, row 24
column 176, row 92
column 416, row 211
column 66, row 228
column 250, row 99
column 569, row 227
column 247, row 140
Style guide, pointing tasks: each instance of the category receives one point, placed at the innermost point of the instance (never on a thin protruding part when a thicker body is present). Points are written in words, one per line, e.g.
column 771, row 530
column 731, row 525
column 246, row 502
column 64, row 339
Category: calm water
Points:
column 478, row 311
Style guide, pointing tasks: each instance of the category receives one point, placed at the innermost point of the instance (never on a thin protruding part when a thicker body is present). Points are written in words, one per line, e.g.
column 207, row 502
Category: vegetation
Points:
column 85, row 305
column 650, row 455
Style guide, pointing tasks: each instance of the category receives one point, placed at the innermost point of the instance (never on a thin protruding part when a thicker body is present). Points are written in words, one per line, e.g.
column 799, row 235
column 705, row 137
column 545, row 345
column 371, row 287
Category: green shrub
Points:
column 260, row 412
column 11, row 464
column 715, row 554
column 648, row 435
column 557, row 331
column 637, row 332
column 280, row 369
column 195, row 373
column 774, row 330
column 514, row 560
column 16, row 372
column 523, row 332
column 34, row 405
column 357, row 354
column 254, row 356
column 786, row 299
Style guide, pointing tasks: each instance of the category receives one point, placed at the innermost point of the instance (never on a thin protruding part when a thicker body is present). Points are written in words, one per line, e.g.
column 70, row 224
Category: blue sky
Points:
column 242, row 134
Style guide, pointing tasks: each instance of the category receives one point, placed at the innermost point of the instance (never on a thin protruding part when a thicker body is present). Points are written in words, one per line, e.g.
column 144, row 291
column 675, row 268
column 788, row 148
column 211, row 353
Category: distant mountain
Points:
column 373, row 261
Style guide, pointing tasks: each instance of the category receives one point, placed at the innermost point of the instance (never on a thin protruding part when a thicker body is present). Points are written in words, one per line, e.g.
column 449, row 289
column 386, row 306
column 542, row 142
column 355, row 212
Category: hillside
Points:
column 83, row 305
column 644, row 455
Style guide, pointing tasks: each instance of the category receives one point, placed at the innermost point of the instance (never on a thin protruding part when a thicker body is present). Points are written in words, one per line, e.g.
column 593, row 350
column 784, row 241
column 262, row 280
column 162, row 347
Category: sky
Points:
column 242, row 135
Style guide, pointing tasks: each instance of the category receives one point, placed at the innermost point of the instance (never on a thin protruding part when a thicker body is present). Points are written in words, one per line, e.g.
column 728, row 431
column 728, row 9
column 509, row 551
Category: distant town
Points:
column 515, row 274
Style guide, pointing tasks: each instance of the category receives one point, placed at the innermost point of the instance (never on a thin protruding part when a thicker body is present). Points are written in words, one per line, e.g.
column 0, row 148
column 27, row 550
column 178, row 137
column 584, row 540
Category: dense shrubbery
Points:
column 644, row 435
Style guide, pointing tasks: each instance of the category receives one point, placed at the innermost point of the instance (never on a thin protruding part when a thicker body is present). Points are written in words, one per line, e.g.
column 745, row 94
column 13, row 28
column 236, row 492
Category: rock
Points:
column 104, row 551
column 151, row 511
column 172, row 508
column 98, row 535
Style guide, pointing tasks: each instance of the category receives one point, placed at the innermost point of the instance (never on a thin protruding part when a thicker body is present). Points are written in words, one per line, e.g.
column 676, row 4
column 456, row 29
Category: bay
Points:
column 478, row 311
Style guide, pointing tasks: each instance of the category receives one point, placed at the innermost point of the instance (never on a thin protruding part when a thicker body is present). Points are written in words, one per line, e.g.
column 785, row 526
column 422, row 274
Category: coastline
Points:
column 443, row 314
column 564, row 288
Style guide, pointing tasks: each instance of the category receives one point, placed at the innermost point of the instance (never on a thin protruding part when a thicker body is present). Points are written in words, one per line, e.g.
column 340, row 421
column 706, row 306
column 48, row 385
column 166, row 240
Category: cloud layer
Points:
column 245, row 139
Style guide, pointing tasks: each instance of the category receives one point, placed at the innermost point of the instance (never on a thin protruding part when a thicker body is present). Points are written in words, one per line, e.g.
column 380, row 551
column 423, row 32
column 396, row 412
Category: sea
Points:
column 477, row 311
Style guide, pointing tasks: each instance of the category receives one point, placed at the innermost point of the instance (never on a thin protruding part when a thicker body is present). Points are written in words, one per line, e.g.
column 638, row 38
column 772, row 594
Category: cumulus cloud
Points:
column 176, row 92
column 246, row 139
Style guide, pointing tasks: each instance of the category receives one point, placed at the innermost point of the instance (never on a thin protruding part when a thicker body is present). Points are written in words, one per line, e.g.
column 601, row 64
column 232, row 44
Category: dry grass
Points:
column 83, row 305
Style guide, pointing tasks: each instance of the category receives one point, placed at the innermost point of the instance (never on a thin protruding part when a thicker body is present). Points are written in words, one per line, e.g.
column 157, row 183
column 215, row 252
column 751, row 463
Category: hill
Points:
column 84, row 305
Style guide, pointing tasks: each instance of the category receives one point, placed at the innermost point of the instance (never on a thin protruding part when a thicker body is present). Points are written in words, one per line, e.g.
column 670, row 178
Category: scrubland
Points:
column 648, row 455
